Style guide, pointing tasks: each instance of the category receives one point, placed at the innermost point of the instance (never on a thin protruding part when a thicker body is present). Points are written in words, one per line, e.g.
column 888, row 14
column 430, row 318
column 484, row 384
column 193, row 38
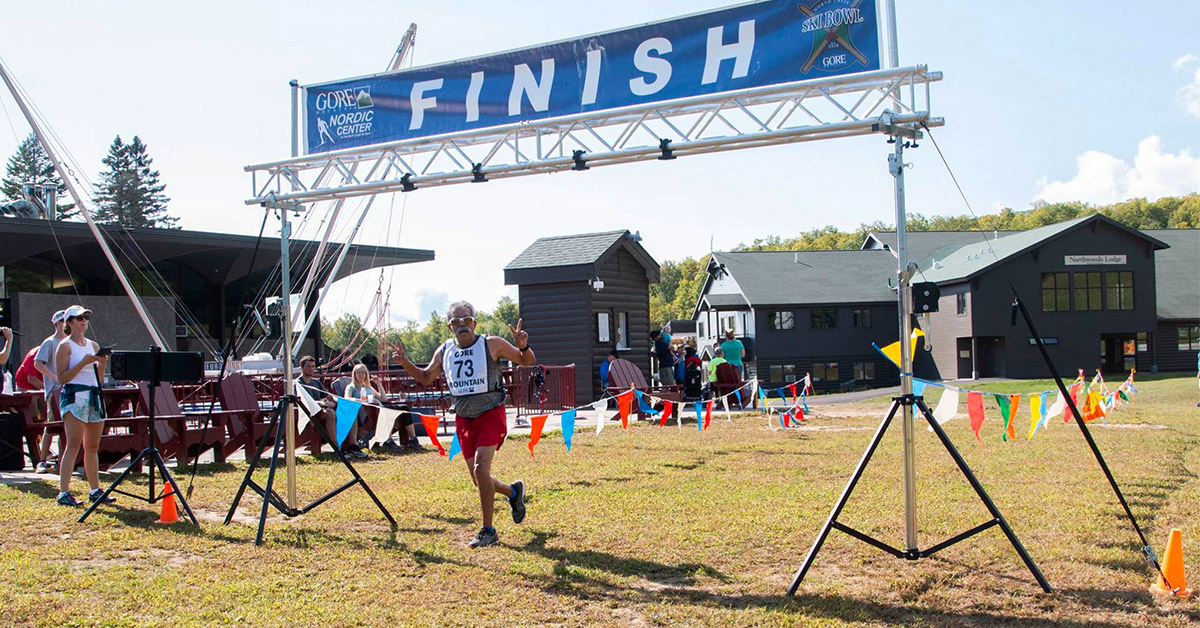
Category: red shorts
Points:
column 486, row 430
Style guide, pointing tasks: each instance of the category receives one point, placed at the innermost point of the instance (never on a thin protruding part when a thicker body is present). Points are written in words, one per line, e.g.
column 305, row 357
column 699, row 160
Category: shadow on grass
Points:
column 858, row 610
column 683, row 573
column 452, row 520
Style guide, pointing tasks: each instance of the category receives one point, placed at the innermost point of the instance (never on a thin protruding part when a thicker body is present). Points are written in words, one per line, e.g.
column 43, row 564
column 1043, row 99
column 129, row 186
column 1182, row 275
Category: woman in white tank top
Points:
column 78, row 369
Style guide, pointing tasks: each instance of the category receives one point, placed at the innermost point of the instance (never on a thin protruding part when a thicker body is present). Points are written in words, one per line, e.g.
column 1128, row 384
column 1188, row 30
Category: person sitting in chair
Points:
column 327, row 414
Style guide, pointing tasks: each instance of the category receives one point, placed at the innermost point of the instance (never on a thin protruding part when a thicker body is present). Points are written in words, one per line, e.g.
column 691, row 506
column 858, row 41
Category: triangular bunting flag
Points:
column 1005, row 415
column 918, row 387
column 975, row 411
column 347, row 414
column 536, row 424
column 707, row 412
column 947, row 406
column 699, row 416
column 666, row 413
column 600, row 408
column 455, row 447
column 798, row 414
column 785, row 418
column 568, row 427
column 430, row 424
column 624, row 403
column 310, row 405
column 725, row 405
column 1037, row 412
column 1058, row 407
column 384, row 424
column 792, row 390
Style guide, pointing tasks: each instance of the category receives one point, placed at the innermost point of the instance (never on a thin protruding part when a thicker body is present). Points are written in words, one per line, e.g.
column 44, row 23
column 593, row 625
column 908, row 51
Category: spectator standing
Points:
column 78, row 367
column 666, row 359
column 605, row 365
column 734, row 352
column 44, row 363
column 718, row 359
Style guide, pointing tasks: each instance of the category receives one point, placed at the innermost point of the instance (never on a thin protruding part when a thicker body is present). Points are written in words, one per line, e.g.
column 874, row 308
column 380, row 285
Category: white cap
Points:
column 59, row 316
column 76, row 310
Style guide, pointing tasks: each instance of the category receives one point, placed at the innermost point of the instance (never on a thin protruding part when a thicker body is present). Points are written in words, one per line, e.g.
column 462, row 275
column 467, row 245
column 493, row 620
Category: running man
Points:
column 470, row 363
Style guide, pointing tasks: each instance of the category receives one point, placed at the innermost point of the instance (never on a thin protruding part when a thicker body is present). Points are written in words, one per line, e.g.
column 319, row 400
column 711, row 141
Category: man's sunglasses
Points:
column 454, row 322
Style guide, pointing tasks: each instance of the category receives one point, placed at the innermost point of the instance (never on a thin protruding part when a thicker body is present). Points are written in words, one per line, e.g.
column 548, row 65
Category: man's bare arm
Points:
column 423, row 376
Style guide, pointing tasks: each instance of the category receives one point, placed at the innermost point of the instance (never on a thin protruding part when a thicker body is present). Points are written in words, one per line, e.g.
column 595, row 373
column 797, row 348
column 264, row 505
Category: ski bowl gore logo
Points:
column 829, row 23
column 344, row 113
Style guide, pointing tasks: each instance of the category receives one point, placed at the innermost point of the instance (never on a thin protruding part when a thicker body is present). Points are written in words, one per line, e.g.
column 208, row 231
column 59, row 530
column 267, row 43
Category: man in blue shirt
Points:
column 604, row 366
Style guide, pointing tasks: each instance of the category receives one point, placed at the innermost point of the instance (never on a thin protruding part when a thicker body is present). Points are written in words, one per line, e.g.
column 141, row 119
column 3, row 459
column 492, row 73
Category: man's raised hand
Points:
column 520, row 336
column 398, row 353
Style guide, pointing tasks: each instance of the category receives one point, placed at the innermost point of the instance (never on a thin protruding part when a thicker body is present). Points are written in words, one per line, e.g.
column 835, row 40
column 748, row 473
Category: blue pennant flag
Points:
column 455, row 447
column 738, row 392
column 568, row 427
column 804, row 400
column 646, row 409
column 699, row 416
column 918, row 387
column 347, row 414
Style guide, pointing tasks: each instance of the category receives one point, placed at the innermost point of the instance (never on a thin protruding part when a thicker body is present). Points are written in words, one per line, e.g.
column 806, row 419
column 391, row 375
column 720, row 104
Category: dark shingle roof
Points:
column 1177, row 273
column 812, row 277
column 925, row 246
column 569, row 250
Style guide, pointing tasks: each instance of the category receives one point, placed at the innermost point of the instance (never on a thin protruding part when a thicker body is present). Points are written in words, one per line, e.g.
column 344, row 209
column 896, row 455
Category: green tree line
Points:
column 674, row 296
column 420, row 339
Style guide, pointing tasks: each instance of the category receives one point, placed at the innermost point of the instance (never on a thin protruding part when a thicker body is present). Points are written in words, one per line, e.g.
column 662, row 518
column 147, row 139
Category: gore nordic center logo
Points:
column 344, row 113
column 830, row 22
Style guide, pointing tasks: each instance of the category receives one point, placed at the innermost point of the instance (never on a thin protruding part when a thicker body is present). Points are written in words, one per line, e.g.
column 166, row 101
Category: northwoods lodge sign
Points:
column 751, row 45
column 1093, row 260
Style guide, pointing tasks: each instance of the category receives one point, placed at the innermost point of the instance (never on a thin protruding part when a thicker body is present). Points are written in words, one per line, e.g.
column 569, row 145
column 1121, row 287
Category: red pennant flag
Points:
column 975, row 411
column 787, row 419
column 624, row 403
column 666, row 412
column 707, row 413
column 1074, row 392
column 798, row 413
column 431, row 428
column 792, row 389
column 535, row 431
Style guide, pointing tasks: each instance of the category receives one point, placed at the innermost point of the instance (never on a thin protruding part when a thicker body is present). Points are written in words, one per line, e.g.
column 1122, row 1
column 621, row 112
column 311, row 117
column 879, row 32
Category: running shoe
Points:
column 96, row 494
column 415, row 445
column 354, row 451
column 393, row 446
column 67, row 499
column 517, row 501
column 485, row 538
column 44, row 466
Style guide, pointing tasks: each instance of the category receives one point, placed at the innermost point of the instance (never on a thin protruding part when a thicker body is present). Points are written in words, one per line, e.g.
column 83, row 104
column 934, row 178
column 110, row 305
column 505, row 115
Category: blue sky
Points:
column 1093, row 101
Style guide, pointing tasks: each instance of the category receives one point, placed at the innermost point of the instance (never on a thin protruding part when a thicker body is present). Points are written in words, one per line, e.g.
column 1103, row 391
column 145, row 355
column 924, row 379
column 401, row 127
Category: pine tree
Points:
column 129, row 192
column 31, row 164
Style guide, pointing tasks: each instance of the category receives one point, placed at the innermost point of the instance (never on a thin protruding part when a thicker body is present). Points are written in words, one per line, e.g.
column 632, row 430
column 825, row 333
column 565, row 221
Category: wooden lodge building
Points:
column 586, row 295
column 1103, row 295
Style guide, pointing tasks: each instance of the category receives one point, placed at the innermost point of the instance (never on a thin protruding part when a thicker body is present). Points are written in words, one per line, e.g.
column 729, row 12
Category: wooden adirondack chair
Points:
column 728, row 380
column 623, row 375
column 183, row 435
column 246, row 422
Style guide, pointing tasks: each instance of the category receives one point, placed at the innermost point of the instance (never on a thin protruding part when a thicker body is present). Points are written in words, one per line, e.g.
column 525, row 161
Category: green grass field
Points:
column 657, row 527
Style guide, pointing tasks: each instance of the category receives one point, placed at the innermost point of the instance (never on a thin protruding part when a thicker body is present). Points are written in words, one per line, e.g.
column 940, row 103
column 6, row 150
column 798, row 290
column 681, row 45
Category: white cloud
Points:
column 1101, row 178
column 1189, row 95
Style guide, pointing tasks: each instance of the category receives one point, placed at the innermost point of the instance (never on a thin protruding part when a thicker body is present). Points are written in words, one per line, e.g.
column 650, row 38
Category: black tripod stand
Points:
column 915, row 554
column 150, row 454
column 279, row 426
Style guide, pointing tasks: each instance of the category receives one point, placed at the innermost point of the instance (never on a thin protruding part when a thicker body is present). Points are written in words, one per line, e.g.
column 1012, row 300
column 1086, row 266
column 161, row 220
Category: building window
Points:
column 622, row 330
column 825, row 372
column 1120, row 290
column 1056, row 292
column 824, row 319
column 784, row 373
column 1143, row 341
column 864, row 370
column 782, row 320
column 728, row 323
column 700, row 329
column 960, row 301
column 604, row 329
column 1087, row 291
column 862, row 318
column 1189, row 337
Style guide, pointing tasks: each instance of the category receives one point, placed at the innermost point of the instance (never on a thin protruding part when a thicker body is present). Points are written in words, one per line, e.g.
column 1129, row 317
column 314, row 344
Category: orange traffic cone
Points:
column 1172, row 568
column 169, row 513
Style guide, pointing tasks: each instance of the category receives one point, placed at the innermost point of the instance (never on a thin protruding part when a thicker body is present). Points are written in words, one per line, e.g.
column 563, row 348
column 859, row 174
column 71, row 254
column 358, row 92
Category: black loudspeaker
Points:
column 6, row 313
column 274, row 326
column 12, row 428
column 176, row 366
column 925, row 297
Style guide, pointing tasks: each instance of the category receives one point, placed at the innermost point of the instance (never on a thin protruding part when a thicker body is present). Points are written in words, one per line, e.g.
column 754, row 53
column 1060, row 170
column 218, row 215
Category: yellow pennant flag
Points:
column 892, row 351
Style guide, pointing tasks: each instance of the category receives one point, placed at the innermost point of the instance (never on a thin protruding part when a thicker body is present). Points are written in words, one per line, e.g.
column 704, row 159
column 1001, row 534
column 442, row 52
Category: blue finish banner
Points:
column 740, row 47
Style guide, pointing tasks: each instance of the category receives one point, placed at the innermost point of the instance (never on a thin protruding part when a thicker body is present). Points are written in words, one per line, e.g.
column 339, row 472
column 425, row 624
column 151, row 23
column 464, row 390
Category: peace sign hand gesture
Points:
column 520, row 336
column 398, row 353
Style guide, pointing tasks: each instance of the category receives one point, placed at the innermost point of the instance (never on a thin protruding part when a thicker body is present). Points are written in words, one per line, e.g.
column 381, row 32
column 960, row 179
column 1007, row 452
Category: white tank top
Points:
column 87, row 375
column 466, row 369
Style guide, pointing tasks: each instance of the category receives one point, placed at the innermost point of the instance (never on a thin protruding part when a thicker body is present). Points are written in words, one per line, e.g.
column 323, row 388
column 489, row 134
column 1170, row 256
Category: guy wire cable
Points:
column 226, row 356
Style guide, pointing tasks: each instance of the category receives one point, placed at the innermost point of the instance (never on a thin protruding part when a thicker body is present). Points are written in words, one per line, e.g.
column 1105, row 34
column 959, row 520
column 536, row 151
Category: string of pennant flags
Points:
column 1093, row 397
